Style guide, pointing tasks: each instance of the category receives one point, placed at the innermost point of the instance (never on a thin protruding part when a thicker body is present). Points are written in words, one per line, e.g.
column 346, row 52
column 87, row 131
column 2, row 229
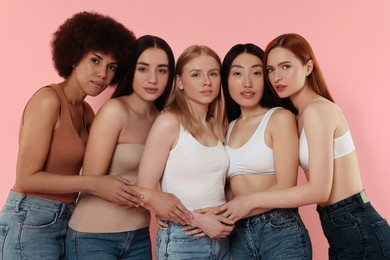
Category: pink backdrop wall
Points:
column 350, row 39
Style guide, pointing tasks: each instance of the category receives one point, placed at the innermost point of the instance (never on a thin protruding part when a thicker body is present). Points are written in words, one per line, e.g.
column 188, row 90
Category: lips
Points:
column 247, row 94
column 280, row 88
column 151, row 90
column 98, row 84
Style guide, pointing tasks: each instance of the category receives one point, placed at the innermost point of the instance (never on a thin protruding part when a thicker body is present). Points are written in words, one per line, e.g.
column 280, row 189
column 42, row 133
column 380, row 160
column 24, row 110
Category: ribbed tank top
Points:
column 196, row 174
column 65, row 154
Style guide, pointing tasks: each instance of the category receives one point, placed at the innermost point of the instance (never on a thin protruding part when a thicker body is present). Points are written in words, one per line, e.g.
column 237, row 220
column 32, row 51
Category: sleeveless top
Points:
column 254, row 157
column 96, row 215
column 196, row 174
column 66, row 152
column 342, row 146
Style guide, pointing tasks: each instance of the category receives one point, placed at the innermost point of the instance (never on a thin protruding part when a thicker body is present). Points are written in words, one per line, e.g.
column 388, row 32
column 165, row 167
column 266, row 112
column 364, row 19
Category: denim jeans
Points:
column 355, row 230
column 275, row 234
column 33, row 228
column 134, row 245
column 173, row 244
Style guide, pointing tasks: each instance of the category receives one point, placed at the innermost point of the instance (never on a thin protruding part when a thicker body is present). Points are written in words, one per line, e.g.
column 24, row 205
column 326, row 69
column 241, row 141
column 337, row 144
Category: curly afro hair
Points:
column 90, row 31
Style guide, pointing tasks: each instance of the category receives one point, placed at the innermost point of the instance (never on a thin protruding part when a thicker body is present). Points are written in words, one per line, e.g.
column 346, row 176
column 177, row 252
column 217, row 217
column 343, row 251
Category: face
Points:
column 151, row 74
column 94, row 72
column 286, row 72
column 246, row 80
column 200, row 80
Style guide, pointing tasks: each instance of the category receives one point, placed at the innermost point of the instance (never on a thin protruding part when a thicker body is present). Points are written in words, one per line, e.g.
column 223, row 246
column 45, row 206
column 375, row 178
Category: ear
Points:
column 179, row 82
column 309, row 67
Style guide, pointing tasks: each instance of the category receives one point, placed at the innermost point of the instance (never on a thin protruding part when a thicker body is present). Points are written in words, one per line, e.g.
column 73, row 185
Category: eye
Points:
column 258, row 73
column 141, row 69
column 285, row 67
column 195, row 75
column 236, row 73
column 113, row 67
column 95, row 60
column 269, row 70
column 214, row 74
column 163, row 71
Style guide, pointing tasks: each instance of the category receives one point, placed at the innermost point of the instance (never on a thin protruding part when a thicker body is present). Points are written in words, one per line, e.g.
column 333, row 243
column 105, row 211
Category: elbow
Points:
column 322, row 196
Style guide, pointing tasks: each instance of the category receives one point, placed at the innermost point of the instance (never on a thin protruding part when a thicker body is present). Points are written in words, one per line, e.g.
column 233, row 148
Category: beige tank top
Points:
column 96, row 215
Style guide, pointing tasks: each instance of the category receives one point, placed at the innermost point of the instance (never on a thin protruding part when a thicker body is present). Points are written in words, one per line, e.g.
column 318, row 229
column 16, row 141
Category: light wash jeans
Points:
column 33, row 228
column 275, row 234
column 134, row 245
column 355, row 230
column 173, row 244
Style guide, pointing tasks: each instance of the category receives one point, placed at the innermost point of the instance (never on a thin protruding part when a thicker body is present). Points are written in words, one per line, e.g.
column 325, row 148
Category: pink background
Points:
column 349, row 37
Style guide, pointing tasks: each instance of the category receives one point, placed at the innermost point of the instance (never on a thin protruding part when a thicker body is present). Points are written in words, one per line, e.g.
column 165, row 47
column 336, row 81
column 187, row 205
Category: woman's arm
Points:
column 162, row 138
column 319, row 127
column 103, row 137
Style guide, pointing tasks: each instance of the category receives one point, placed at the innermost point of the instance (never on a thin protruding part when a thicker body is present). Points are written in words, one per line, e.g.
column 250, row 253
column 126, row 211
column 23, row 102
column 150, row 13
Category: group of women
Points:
column 218, row 168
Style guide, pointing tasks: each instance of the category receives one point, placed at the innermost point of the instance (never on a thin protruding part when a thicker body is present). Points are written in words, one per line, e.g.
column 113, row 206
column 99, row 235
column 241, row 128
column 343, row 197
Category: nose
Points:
column 247, row 82
column 102, row 72
column 152, row 77
column 277, row 75
column 207, row 81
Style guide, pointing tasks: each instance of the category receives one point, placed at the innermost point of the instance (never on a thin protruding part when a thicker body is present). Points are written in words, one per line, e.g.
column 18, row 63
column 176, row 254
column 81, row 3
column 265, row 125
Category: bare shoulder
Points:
column 46, row 96
column 282, row 116
column 167, row 121
column 44, row 102
column 321, row 113
column 113, row 108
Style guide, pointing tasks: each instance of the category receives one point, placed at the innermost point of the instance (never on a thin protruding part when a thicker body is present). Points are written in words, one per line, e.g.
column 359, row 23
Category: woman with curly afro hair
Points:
column 90, row 51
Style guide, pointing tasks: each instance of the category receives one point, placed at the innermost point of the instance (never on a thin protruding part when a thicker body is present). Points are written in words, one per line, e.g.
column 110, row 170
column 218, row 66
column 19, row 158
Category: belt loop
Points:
column 18, row 201
column 363, row 198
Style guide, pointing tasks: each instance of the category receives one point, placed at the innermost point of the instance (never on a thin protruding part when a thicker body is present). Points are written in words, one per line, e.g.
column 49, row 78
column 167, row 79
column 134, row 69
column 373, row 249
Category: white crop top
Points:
column 254, row 157
column 196, row 174
column 342, row 146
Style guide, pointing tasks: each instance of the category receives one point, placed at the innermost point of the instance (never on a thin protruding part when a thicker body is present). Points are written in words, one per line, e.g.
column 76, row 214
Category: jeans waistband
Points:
column 17, row 199
column 358, row 200
column 267, row 215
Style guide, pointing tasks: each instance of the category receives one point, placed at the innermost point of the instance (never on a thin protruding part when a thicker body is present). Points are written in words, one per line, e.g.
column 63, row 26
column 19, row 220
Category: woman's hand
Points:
column 167, row 206
column 236, row 209
column 214, row 226
column 115, row 189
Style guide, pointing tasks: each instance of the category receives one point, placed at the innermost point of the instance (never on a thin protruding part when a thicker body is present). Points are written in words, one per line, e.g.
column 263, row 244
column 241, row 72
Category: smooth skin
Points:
column 328, row 180
column 90, row 77
column 201, row 82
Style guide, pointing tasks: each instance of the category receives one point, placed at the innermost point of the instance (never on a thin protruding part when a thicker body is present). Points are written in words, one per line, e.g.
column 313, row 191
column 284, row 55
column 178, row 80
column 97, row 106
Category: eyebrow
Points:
column 101, row 58
column 147, row 64
column 241, row 67
column 197, row 70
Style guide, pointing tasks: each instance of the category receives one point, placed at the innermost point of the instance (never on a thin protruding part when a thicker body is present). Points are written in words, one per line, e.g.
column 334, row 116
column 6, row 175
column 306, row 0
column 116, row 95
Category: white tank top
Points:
column 254, row 157
column 342, row 146
column 196, row 174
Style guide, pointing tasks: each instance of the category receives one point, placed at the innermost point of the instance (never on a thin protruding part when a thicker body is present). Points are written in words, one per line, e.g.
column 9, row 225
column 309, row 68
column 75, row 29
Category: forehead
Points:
column 107, row 57
column 247, row 59
column 155, row 55
column 202, row 62
column 279, row 54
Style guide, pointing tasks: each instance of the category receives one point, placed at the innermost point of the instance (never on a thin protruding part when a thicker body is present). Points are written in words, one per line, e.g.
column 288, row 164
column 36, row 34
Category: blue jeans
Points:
column 173, row 244
column 134, row 245
column 355, row 230
column 275, row 234
column 33, row 228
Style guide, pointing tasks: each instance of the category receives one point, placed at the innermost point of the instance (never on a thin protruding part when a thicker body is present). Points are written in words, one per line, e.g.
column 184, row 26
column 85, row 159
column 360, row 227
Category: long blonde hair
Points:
column 179, row 105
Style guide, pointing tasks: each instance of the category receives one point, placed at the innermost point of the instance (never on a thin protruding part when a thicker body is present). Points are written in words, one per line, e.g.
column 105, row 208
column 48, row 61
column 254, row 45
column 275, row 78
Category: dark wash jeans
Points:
column 355, row 230
column 278, row 234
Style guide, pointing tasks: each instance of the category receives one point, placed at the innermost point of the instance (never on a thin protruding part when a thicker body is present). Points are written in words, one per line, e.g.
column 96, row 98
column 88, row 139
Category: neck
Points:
column 247, row 113
column 74, row 95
